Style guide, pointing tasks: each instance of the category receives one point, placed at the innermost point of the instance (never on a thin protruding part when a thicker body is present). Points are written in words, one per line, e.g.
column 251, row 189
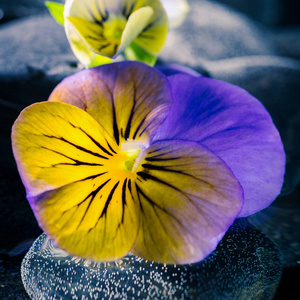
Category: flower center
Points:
column 125, row 162
column 114, row 29
column 134, row 153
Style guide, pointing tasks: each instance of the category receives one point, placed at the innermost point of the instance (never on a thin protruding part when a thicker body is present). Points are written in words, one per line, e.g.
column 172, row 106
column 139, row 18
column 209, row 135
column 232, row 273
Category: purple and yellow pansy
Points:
column 99, row 30
column 125, row 159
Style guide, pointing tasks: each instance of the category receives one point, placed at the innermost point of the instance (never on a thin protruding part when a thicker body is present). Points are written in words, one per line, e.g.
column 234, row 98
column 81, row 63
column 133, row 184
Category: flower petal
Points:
column 135, row 98
column 83, row 53
column 188, row 199
column 235, row 126
column 136, row 23
column 92, row 34
column 153, row 36
column 66, row 161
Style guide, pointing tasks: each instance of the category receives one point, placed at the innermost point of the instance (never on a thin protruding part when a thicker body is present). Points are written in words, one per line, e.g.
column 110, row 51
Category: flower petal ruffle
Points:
column 130, row 100
column 235, row 126
column 188, row 199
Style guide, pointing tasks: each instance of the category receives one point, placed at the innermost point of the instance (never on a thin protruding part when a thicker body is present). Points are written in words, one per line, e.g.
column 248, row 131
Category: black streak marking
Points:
column 148, row 27
column 93, row 193
column 139, row 127
column 76, row 162
column 146, row 176
column 104, row 46
column 96, row 143
column 108, row 200
column 160, row 159
column 127, row 131
column 110, row 147
column 123, row 199
column 115, row 125
column 77, row 146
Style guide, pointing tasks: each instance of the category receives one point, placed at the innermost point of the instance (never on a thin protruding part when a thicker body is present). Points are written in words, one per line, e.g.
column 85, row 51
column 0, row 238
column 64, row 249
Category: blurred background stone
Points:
column 268, row 12
column 14, row 9
column 212, row 31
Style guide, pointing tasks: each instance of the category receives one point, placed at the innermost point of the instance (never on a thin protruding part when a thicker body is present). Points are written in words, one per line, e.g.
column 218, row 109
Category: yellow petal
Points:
column 153, row 36
column 95, row 218
column 76, row 181
column 78, row 46
column 188, row 199
column 93, row 35
column 136, row 23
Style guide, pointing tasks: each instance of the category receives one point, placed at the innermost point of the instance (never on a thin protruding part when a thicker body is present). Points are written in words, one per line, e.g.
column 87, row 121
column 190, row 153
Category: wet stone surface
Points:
column 245, row 265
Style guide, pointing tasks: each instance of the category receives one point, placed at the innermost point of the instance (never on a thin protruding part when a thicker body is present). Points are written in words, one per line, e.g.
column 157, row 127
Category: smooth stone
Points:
column 245, row 265
column 281, row 222
column 17, row 221
column 275, row 82
column 14, row 9
column 34, row 57
column 287, row 41
column 213, row 31
column 268, row 12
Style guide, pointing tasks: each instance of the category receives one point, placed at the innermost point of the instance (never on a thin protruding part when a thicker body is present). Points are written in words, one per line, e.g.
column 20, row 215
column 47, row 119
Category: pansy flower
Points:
column 124, row 159
column 100, row 30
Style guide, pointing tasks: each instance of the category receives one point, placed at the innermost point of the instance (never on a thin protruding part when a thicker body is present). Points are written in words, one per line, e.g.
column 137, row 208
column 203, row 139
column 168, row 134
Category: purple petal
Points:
column 234, row 125
column 129, row 99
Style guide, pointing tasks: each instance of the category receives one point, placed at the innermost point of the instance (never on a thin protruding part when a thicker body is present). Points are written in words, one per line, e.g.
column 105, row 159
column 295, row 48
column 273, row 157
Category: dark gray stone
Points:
column 14, row 9
column 245, row 265
column 287, row 41
column 34, row 57
column 213, row 31
column 281, row 222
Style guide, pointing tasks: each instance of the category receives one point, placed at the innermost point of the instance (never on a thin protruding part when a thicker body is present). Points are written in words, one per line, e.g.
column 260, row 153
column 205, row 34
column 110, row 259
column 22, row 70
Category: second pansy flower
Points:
column 124, row 159
column 102, row 29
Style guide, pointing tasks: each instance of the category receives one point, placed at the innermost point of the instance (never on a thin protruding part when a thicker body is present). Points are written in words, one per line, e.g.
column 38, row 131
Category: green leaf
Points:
column 135, row 52
column 57, row 11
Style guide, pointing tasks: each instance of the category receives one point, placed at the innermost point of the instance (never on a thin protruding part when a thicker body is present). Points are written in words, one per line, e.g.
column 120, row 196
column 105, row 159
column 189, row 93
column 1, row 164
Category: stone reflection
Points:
column 246, row 264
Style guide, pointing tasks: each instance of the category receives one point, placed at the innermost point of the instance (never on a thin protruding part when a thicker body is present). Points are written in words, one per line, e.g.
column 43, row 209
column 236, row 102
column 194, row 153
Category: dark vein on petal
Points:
column 77, row 146
column 110, row 147
column 90, row 137
column 115, row 125
column 91, row 177
column 139, row 127
column 77, row 162
column 127, row 131
column 155, row 150
column 148, row 27
column 95, row 142
column 108, row 200
column 92, row 194
column 161, row 159
column 104, row 46
column 124, row 203
column 147, row 126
